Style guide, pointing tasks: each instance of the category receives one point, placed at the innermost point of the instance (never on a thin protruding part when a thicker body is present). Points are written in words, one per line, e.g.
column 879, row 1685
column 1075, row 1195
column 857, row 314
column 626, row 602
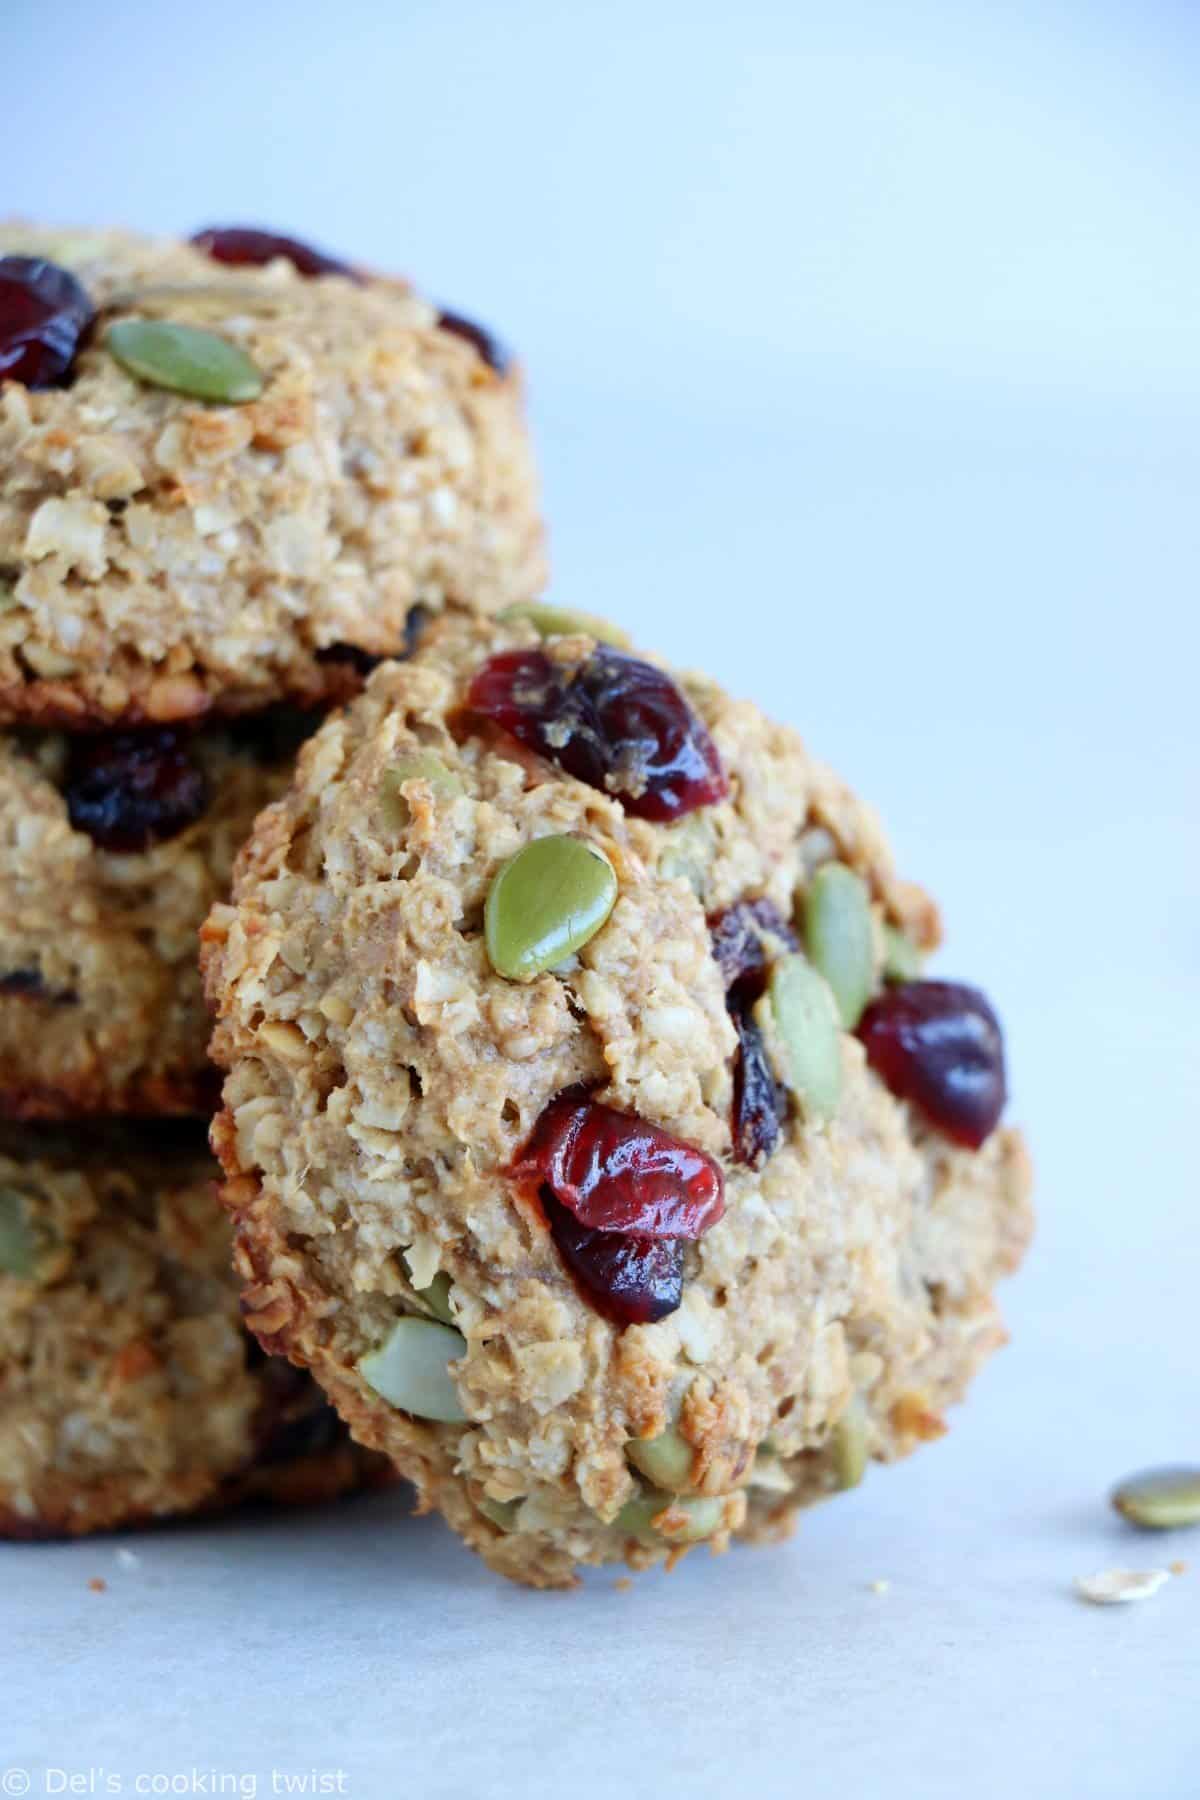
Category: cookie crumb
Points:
column 623, row 1584
column 1178, row 1567
column 97, row 1585
column 1111, row 1587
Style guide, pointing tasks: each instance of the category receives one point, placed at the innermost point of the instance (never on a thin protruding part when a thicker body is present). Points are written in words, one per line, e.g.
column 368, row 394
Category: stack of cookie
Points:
column 234, row 474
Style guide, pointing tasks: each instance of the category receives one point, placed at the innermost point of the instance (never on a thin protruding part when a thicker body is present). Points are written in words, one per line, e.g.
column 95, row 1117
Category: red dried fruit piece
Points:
column 616, row 1172
column 759, row 1104
column 738, row 947
column 130, row 790
column 244, row 246
column 630, row 1280
column 494, row 353
column 614, row 722
column 939, row 1044
column 44, row 314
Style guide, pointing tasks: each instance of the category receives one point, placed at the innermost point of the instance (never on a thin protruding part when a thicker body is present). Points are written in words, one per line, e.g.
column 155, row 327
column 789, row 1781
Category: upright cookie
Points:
column 112, row 849
column 128, row 1388
column 590, row 1129
column 225, row 481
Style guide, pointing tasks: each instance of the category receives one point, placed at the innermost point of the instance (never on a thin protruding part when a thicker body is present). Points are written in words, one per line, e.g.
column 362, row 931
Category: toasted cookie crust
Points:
column 161, row 556
column 101, row 1009
column 128, row 1389
column 383, row 1078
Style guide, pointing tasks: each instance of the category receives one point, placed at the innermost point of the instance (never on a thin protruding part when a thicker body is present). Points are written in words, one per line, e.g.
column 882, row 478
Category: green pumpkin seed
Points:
column 562, row 621
column 849, row 1443
column 501, row 1512
column 666, row 1460
column 420, row 765
column 1160, row 1499
column 23, row 1243
column 687, row 852
column 837, row 928
column 185, row 359
column 636, row 1518
column 769, row 1474
column 902, row 961
column 411, row 1370
column 546, row 903
column 437, row 1297
column 798, row 1013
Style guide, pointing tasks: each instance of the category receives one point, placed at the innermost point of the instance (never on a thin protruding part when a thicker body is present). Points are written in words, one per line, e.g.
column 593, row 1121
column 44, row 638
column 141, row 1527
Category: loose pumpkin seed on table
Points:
column 1162, row 1499
column 682, row 1214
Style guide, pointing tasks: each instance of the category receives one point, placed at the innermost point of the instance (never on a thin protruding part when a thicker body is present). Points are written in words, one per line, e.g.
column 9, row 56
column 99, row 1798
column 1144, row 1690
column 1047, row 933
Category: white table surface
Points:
column 929, row 492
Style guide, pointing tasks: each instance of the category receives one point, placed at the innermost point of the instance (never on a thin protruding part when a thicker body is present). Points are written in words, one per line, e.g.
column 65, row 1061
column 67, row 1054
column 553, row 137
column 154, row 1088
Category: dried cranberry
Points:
column 738, row 946
column 613, row 721
column 616, row 1172
column 620, row 1195
column 494, row 353
column 630, row 1280
column 759, row 1104
column 44, row 315
column 242, row 246
column 939, row 1044
column 133, row 789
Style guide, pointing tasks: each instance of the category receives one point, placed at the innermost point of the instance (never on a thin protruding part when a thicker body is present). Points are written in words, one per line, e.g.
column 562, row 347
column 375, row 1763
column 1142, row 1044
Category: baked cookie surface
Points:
column 571, row 1172
column 128, row 1389
column 165, row 551
column 112, row 849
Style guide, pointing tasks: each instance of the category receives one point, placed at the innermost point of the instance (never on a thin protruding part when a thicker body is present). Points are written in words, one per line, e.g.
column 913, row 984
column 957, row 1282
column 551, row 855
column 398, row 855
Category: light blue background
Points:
column 862, row 344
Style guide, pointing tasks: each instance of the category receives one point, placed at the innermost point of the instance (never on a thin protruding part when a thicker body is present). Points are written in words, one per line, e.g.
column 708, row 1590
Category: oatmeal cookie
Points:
column 112, row 849
column 128, row 1389
column 590, row 1130
column 226, row 482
